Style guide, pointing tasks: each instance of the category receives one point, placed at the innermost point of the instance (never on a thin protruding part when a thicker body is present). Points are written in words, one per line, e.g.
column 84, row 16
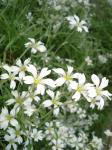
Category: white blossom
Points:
column 11, row 140
column 18, row 98
column 32, row 96
column 88, row 60
column 65, row 77
column 6, row 118
column 38, row 79
column 35, row 46
column 102, row 59
column 58, row 144
column 49, row 129
column 98, row 94
column 29, row 109
column 29, row 16
column 80, row 87
column 53, row 102
column 74, row 21
column 37, row 135
column 16, row 133
column 108, row 133
column 22, row 67
column 10, row 75
column 97, row 143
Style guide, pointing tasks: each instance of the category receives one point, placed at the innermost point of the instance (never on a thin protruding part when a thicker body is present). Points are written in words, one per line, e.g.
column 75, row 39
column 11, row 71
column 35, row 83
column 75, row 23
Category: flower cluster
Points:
column 41, row 100
column 46, row 104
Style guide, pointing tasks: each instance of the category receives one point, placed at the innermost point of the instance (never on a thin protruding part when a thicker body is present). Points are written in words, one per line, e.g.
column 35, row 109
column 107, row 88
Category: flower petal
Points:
column 56, row 111
column 41, row 48
column 49, row 82
column 59, row 71
column 40, row 89
column 81, row 79
column 95, row 79
column 44, row 72
column 47, row 103
column 104, row 83
column 32, row 69
column 19, row 63
column 28, row 80
column 70, row 70
column 14, row 122
column 60, row 81
column 4, row 76
column 76, row 96
column 12, row 84
column 50, row 93
column 73, row 85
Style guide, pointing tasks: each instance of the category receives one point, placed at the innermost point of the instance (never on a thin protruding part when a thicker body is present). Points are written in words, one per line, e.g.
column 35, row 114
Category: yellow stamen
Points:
column 23, row 68
column 55, row 102
column 37, row 81
column 19, row 100
column 67, row 77
column 9, row 117
column 80, row 88
column 17, row 132
column 98, row 91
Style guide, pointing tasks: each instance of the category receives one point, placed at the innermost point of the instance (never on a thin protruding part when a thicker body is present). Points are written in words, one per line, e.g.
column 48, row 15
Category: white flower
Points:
column 88, row 61
column 102, row 59
column 97, row 93
column 53, row 102
column 38, row 79
column 29, row 109
column 65, row 77
column 58, row 144
column 16, row 133
column 80, row 87
column 11, row 140
column 49, row 129
column 29, row 16
column 74, row 21
column 108, row 133
column 22, row 67
column 32, row 96
column 37, row 135
column 86, row 2
column 97, row 143
column 11, row 76
column 6, row 118
column 35, row 46
column 95, row 101
column 18, row 99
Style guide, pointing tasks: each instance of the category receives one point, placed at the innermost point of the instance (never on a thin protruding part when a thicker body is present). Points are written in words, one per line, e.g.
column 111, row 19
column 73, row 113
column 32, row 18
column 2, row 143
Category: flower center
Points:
column 37, row 81
column 79, row 24
column 98, row 91
column 55, row 102
column 67, row 77
column 9, row 117
column 23, row 68
column 17, row 132
column 11, row 141
column 80, row 88
column 34, row 45
column 19, row 100
column 11, row 77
